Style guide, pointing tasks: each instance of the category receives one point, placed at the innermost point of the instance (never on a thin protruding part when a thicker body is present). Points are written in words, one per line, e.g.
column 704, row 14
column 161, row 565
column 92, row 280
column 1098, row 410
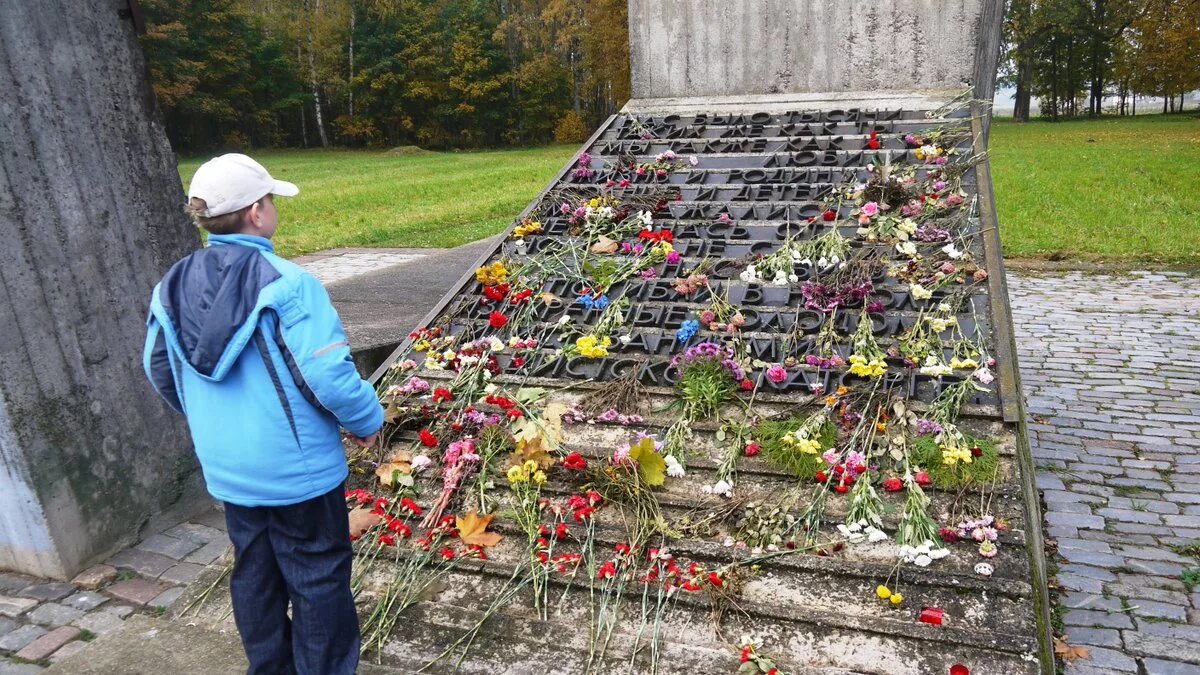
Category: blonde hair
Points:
column 228, row 223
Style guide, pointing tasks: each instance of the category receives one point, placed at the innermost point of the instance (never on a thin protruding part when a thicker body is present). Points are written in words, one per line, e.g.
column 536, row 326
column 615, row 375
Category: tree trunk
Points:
column 312, row 75
column 1024, row 76
column 350, row 80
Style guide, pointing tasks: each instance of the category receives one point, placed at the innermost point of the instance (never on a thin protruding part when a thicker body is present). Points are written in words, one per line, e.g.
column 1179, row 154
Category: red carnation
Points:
column 410, row 506
column 575, row 462
column 497, row 320
column 752, row 449
column 822, row 477
column 745, row 654
column 747, row 385
column 607, row 571
column 715, row 579
column 948, row 535
column 561, row 531
column 495, row 293
column 447, row 553
column 874, row 142
column 387, row 539
column 428, row 439
column 442, row 394
column 923, row 479
column 829, row 215
column 514, row 414
column 977, row 452
column 893, row 484
column 841, row 487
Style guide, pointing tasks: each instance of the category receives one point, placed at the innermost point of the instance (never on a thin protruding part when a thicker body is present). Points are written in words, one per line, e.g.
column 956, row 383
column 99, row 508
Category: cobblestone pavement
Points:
column 42, row 621
column 343, row 263
column 1108, row 365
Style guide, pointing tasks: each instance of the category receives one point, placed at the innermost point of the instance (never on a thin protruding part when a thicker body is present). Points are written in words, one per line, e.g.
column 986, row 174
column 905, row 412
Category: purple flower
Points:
column 926, row 427
column 673, row 257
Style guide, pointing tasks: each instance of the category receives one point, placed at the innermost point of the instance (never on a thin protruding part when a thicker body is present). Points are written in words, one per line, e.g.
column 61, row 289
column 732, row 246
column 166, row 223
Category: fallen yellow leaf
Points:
column 472, row 529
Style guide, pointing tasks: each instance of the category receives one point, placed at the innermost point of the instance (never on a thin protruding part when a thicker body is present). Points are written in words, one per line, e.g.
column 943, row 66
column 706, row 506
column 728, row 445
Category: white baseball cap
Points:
column 234, row 181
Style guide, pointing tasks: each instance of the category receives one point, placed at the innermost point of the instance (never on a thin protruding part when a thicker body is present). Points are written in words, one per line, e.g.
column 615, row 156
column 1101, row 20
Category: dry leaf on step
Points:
column 472, row 529
column 361, row 520
column 605, row 246
column 1068, row 652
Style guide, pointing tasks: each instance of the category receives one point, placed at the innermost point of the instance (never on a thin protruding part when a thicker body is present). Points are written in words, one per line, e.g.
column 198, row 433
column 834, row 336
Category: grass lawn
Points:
column 1116, row 189
column 426, row 199
column 1124, row 190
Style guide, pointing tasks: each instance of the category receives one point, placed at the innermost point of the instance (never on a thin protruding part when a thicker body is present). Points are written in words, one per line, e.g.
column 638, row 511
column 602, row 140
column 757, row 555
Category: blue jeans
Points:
column 300, row 552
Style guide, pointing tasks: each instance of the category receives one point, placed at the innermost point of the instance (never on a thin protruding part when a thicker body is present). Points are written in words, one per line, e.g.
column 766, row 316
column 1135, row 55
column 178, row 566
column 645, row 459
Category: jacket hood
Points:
column 209, row 301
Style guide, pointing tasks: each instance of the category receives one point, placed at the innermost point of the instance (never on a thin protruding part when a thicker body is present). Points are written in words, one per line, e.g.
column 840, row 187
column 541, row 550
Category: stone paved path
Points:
column 1109, row 365
column 42, row 621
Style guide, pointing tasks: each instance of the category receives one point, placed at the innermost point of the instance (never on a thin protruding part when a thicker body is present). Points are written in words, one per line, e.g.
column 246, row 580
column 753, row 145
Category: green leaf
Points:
column 528, row 395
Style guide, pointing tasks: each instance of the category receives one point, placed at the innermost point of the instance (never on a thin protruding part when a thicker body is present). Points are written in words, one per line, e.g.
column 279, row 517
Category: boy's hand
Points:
column 365, row 442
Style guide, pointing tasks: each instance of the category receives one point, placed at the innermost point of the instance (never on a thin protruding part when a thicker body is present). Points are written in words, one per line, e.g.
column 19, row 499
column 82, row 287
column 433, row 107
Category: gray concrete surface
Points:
column 380, row 308
column 700, row 48
column 90, row 218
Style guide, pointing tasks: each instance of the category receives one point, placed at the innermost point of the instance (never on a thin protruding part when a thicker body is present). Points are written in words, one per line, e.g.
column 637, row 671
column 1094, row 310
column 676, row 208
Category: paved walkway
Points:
column 42, row 621
column 1109, row 365
column 340, row 264
column 1110, row 370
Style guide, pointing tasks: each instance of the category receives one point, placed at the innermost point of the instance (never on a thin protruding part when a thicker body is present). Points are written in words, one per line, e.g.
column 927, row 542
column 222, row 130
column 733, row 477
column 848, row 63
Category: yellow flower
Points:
column 592, row 347
column 526, row 228
column 953, row 454
column 863, row 368
column 421, row 345
column 529, row 466
column 897, row 598
column 595, row 203
column 539, row 477
column 883, row 592
column 515, row 475
column 808, row 446
column 964, row 364
column 492, row 275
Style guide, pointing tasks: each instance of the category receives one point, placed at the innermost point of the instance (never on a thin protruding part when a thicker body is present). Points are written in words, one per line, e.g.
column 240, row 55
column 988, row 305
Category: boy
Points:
column 249, row 348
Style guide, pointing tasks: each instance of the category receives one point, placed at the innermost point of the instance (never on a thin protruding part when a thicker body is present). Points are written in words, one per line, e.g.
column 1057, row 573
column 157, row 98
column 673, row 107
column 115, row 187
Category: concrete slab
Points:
column 379, row 308
column 150, row 645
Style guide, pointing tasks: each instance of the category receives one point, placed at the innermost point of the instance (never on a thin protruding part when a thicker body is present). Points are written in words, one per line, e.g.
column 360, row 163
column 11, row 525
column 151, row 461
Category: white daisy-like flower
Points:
column 984, row 569
column 922, row 560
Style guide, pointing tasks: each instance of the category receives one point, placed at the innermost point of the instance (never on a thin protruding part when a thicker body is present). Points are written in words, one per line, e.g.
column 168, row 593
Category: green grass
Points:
column 1115, row 189
column 425, row 199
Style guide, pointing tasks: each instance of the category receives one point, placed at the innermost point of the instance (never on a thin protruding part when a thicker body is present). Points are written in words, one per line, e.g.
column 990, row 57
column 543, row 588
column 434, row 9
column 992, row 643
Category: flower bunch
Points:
column 492, row 275
column 808, row 438
column 526, row 227
column 593, row 302
column 752, row 662
column 458, row 461
column 576, row 415
column 709, row 352
column 868, row 360
column 687, row 330
column 593, row 347
column 691, row 284
column 526, row 472
column 583, row 167
column 825, row 347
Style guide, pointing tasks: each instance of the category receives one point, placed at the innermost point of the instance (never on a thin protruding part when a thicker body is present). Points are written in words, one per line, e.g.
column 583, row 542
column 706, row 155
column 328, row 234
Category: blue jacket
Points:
column 248, row 346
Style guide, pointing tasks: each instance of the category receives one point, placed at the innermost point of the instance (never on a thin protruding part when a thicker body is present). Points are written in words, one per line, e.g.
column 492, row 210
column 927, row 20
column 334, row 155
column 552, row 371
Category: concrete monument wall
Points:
column 706, row 48
column 90, row 217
